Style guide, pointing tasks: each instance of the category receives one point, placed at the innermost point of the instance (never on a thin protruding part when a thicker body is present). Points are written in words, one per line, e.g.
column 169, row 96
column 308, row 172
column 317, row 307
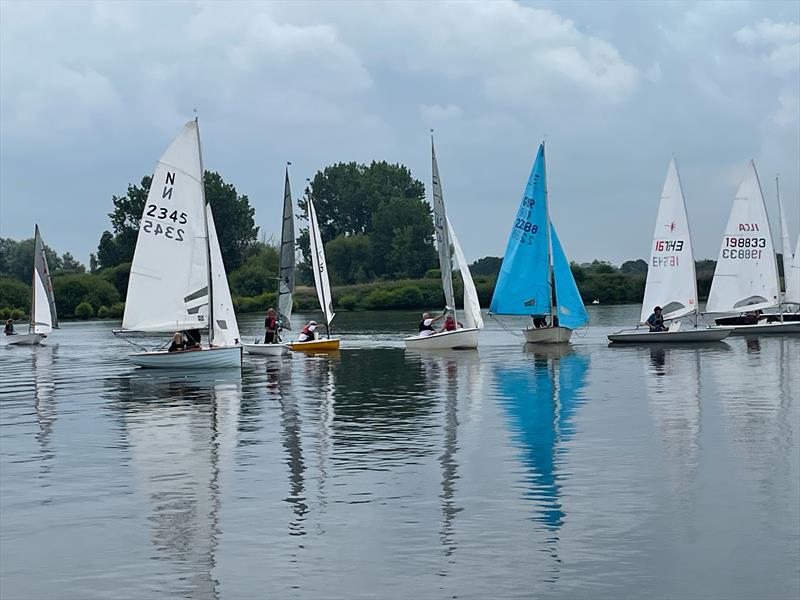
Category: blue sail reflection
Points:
column 541, row 404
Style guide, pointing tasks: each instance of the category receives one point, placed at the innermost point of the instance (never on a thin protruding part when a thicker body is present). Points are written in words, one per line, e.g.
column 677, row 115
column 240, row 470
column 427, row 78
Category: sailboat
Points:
column 43, row 303
column 286, row 277
column 461, row 338
column 322, row 285
column 671, row 280
column 535, row 278
column 791, row 264
column 746, row 276
column 177, row 279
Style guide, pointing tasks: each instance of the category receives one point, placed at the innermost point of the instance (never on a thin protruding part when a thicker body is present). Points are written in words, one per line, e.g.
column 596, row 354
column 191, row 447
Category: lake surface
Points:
column 381, row 473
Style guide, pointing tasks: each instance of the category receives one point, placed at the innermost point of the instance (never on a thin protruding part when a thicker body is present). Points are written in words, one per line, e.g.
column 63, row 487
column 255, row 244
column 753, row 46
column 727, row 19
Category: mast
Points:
column 208, row 240
column 312, row 222
column 550, row 282
column 32, row 324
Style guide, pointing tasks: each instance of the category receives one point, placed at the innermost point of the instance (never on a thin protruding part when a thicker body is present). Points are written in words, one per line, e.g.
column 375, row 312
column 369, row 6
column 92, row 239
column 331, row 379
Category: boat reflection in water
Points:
column 44, row 403
column 181, row 433
column 541, row 400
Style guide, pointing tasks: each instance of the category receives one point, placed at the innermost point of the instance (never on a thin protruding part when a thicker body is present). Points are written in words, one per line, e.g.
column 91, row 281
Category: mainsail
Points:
column 793, row 277
column 43, row 306
column 319, row 265
column 746, row 276
column 472, row 306
column 523, row 286
column 442, row 233
column 226, row 330
column 168, row 286
column 287, row 255
column 571, row 311
column 671, row 281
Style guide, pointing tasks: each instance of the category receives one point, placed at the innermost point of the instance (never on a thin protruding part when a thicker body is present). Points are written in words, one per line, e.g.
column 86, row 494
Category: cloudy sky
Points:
column 92, row 93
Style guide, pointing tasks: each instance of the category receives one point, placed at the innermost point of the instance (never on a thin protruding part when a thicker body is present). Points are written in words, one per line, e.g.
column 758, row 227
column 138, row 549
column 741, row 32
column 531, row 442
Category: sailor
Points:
column 539, row 321
column 450, row 324
column 271, row 327
column 656, row 321
column 177, row 342
column 308, row 333
column 426, row 324
column 9, row 330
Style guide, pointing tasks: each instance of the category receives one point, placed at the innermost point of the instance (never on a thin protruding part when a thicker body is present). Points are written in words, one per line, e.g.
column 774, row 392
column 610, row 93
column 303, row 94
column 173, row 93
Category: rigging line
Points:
column 504, row 327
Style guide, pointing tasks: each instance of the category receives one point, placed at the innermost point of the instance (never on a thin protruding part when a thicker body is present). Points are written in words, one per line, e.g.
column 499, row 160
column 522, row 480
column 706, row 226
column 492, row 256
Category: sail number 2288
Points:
column 526, row 226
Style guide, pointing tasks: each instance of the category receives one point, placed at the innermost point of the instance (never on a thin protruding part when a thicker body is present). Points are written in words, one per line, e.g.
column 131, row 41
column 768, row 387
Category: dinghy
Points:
column 535, row 278
column 746, row 275
column 43, row 303
column 286, row 278
column 322, row 285
column 178, row 280
column 671, row 280
column 463, row 337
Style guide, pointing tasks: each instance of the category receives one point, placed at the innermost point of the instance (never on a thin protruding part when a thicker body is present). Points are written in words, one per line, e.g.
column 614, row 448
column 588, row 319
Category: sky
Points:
column 91, row 94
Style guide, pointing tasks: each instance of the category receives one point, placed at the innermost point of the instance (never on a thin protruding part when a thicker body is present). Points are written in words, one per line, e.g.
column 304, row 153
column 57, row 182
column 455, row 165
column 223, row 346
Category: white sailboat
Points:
column 671, row 280
column 746, row 276
column 286, row 277
column 43, row 303
column 535, row 278
column 465, row 337
column 177, row 279
column 322, row 285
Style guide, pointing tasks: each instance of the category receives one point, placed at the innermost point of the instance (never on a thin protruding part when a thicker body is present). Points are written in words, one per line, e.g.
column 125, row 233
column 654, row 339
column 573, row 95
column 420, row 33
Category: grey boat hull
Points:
column 669, row 337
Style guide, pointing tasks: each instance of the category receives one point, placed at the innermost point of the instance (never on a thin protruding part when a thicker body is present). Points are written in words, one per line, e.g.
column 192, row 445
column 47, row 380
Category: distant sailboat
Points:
column 178, row 280
column 746, row 276
column 321, row 283
column 535, row 277
column 791, row 261
column 43, row 303
column 671, row 280
column 286, row 277
column 462, row 337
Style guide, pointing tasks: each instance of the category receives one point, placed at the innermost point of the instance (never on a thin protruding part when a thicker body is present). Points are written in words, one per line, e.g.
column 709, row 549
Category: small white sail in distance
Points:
column 746, row 276
column 671, row 281
column 319, row 266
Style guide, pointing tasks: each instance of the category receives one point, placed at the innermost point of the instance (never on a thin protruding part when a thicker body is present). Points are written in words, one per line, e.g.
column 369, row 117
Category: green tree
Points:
column 258, row 274
column 402, row 238
column 16, row 259
column 349, row 259
column 14, row 294
column 72, row 290
column 232, row 213
column 488, row 265
column 634, row 266
column 69, row 266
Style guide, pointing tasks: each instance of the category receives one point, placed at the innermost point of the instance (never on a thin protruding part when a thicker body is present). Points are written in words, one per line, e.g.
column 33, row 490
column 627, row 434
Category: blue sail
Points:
column 571, row 311
column 522, row 286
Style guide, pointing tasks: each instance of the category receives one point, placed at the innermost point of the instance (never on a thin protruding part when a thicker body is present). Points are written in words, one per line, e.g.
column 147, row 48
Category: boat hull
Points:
column 328, row 345
column 25, row 339
column 205, row 358
column 547, row 335
column 267, row 349
column 762, row 328
column 460, row 339
column 669, row 337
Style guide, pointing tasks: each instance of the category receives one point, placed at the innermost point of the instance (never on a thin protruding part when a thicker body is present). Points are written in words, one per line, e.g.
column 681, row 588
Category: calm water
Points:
column 380, row 473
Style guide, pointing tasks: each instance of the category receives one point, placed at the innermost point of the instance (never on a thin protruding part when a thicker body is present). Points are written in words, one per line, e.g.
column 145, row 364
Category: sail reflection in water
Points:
column 180, row 442
column 541, row 401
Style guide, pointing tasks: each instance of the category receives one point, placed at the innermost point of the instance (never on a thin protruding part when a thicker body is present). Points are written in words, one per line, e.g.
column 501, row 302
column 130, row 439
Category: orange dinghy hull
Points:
column 316, row 345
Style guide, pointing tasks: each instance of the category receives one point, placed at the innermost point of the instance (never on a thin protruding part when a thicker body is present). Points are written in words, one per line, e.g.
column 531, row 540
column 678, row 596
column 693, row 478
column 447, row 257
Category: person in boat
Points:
column 752, row 317
column 450, row 324
column 9, row 329
column 271, row 327
column 656, row 320
column 192, row 339
column 426, row 324
column 177, row 343
column 308, row 333
column 539, row 321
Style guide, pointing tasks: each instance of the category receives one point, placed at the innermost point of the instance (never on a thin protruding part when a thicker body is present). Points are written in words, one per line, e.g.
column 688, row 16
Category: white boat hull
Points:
column 761, row 328
column 25, row 339
column 547, row 335
column 266, row 349
column 205, row 358
column 669, row 337
column 459, row 339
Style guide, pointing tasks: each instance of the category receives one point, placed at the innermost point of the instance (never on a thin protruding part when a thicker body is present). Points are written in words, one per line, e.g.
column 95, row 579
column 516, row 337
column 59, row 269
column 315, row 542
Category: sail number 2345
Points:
column 162, row 214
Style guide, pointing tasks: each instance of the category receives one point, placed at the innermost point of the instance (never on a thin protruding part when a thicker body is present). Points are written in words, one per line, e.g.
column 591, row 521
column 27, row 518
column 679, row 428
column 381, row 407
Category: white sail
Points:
column 793, row 278
column 746, row 276
column 671, row 281
column 226, row 330
column 168, row 286
column 42, row 323
column 786, row 251
column 472, row 306
column 442, row 234
column 319, row 266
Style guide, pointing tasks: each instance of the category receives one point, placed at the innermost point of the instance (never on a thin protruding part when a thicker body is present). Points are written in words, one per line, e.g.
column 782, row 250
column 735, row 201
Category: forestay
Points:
column 523, row 286
column 226, row 329
column 287, row 257
column 44, row 317
column 440, row 225
column 746, row 276
column 571, row 311
column 168, row 286
column 319, row 265
column 472, row 306
column 671, row 281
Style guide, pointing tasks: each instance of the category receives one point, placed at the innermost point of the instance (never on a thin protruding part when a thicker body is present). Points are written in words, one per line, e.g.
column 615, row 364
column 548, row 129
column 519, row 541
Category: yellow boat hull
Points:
column 328, row 345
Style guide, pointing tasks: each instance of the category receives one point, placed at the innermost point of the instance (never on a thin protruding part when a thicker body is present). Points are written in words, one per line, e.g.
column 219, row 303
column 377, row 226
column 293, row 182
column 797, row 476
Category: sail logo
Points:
column 748, row 227
column 169, row 182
